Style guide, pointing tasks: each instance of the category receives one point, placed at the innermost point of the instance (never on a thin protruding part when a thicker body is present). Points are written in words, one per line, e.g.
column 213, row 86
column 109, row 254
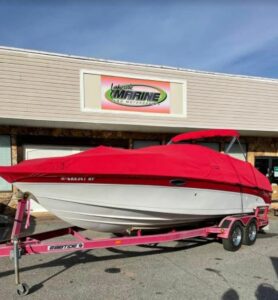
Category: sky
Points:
column 227, row 36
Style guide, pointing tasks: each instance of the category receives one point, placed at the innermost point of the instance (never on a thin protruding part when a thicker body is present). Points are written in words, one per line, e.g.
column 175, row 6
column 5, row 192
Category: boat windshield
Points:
column 234, row 141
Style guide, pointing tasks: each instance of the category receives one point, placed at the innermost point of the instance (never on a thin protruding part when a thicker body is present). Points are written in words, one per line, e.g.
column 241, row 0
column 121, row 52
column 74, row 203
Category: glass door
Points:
column 268, row 165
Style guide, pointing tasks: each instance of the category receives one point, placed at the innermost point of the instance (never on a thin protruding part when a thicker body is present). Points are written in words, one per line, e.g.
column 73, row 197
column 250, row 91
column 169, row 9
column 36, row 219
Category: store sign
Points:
column 130, row 94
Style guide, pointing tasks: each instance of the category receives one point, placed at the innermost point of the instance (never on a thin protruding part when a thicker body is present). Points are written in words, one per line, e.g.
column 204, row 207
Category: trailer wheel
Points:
column 250, row 233
column 22, row 289
column 234, row 241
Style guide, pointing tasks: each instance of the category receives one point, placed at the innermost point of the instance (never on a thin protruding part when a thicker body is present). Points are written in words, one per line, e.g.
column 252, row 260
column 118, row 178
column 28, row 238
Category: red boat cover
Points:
column 205, row 134
column 174, row 160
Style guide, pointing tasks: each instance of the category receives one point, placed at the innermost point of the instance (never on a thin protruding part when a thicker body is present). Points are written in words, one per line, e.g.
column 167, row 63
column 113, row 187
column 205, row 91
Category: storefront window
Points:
column 5, row 160
column 268, row 166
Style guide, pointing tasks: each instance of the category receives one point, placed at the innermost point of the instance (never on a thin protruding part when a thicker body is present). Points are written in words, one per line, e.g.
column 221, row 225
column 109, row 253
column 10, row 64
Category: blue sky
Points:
column 230, row 36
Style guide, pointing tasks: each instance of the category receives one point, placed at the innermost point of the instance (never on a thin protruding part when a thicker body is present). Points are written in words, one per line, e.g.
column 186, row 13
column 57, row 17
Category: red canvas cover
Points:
column 205, row 134
column 174, row 160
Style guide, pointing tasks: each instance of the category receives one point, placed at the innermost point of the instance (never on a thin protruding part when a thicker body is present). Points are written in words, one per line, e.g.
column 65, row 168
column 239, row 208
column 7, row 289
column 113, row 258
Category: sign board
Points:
column 132, row 94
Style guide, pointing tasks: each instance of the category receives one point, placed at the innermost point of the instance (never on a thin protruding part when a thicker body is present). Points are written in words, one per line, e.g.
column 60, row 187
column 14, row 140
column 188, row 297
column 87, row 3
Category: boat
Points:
column 118, row 190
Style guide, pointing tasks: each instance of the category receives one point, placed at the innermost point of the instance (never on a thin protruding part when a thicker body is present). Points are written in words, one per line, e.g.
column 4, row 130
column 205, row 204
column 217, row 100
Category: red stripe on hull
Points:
column 162, row 181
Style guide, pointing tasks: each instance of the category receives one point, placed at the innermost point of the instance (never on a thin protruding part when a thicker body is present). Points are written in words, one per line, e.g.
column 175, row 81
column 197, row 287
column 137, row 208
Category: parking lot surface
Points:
column 192, row 269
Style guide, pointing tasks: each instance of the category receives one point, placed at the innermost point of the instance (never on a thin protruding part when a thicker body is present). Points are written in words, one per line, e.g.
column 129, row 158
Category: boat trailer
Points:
column 233, row 230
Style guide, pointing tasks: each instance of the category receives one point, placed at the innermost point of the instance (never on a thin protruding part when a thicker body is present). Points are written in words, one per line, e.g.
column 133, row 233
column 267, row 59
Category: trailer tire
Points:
column 250, row 233
column 234, row 241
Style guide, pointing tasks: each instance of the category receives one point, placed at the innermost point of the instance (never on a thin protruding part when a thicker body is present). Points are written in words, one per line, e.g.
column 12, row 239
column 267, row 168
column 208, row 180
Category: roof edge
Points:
column 136, row 64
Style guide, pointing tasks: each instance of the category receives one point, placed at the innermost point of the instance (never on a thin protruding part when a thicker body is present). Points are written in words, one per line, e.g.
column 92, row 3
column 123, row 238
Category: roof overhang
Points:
column 20, row 122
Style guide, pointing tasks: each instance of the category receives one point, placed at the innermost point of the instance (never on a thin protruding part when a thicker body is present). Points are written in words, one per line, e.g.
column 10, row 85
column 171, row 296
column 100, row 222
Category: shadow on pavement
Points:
column 266, row 235
column 230, row 294
column 266, row 291
column 7, row 216
column 274, row 261
column 74, row 258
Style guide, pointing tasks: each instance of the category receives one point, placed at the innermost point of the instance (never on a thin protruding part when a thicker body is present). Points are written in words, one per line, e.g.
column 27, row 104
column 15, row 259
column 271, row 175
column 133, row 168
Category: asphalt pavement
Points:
column 194, row 269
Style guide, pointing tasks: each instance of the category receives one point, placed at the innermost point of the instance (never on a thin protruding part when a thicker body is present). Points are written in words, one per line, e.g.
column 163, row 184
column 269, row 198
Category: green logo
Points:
column 135, row 95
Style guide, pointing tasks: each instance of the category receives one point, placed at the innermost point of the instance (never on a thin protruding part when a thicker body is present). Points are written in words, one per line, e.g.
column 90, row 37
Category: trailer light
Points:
column 118, row 242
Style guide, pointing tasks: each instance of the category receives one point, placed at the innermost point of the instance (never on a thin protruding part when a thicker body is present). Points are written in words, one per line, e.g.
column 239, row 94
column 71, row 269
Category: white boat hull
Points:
column 121, row 207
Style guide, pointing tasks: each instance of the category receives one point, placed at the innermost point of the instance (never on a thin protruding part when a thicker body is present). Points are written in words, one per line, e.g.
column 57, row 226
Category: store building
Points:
column 52, row 104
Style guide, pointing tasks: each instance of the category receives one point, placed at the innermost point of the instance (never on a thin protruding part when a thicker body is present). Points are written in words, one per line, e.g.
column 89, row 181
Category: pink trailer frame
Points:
column 38, row 244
